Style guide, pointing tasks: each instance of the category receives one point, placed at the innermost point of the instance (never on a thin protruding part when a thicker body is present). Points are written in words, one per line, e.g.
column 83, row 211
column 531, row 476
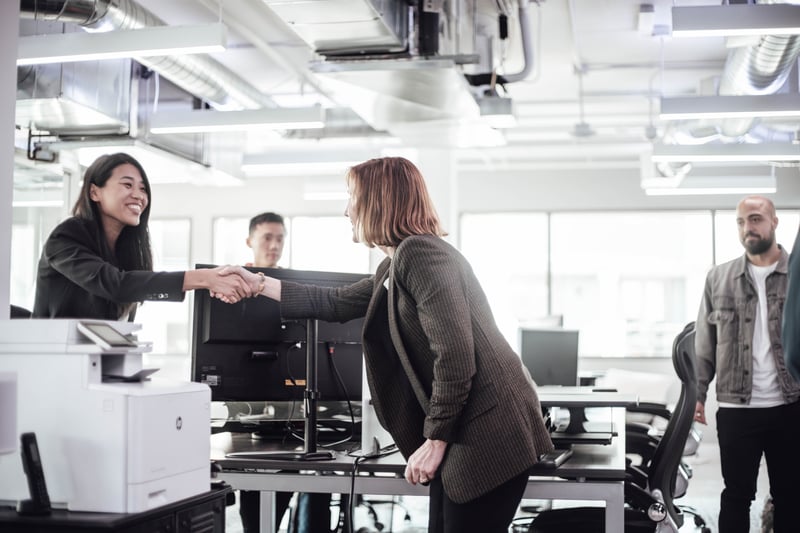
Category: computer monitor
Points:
column 550, row 355
column 246, row 352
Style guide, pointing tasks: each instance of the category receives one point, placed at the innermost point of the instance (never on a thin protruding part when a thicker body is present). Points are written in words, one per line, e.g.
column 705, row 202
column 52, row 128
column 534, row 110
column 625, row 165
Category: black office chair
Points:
column 19, row 312
column 650, row 508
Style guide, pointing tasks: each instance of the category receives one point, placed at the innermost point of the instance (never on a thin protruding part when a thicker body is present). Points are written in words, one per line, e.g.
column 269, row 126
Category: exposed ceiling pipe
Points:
column 527, row 54
column 198, row 74
column 527, row 44
column 760, row 68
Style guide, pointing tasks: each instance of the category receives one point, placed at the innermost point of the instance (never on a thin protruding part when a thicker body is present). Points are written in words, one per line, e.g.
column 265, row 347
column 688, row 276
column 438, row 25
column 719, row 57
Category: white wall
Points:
column 9, row 14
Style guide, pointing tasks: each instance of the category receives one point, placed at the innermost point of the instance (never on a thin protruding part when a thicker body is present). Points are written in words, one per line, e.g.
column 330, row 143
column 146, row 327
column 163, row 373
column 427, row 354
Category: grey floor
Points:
column 702, row 494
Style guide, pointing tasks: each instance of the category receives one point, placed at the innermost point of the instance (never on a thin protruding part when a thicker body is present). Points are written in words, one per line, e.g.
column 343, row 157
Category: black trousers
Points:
column 490, row 513
column 313, row 511
column 744, row 435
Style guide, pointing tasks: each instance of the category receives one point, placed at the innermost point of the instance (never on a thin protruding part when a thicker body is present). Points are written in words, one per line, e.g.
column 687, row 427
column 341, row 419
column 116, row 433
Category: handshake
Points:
column 232, row 283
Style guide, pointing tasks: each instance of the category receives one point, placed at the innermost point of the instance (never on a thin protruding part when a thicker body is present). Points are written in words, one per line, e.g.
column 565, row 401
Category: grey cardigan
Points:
column 437, row 365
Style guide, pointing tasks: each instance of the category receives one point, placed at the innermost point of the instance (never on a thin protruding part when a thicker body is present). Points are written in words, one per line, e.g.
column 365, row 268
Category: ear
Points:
column 93, row 194
column 247, row 240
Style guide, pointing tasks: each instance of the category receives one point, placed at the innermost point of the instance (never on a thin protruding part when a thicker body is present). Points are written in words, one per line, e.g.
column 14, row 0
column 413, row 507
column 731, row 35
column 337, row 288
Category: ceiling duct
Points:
column 402, row 66
column 200, row 75
column 760, row 68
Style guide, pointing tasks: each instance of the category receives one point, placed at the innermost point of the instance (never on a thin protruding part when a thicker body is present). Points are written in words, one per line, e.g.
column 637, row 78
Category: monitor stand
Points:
column 310, row 399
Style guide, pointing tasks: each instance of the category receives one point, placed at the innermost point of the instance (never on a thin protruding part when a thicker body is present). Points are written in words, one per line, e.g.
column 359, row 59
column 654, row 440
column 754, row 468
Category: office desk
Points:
column 593, row 472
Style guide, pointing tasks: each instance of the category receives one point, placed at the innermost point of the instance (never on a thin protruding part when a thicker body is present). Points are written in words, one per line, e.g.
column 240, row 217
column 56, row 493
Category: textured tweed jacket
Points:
column 437, row 365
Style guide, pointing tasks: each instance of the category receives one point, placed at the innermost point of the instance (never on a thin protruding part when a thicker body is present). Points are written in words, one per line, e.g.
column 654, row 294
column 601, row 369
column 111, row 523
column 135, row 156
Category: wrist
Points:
column 262, row 282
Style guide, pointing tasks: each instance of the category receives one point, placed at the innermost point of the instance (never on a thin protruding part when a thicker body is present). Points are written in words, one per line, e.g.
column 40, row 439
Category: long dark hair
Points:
column 133, row 245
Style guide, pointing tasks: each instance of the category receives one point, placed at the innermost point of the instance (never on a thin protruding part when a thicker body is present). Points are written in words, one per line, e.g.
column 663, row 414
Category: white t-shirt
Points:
column 766, row 389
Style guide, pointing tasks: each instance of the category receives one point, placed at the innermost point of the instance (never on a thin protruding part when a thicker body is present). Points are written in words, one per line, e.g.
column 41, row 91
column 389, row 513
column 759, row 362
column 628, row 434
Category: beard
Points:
column 758, row 246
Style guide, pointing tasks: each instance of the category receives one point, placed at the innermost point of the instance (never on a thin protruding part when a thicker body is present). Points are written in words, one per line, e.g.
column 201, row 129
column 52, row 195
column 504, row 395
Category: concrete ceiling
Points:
column 595, row 62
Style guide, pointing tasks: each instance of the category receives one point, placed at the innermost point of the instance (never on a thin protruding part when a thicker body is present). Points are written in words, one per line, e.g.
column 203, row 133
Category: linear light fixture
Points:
column 695, row 179
column 161, row 165
column 152, row 41
column 304, row 162
column 705, row 185
column 744, row 106
column 726, row 152
column 202, row 121
column 735, row 20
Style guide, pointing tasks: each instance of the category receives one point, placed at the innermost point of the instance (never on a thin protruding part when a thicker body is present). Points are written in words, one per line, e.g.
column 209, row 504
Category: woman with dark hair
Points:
column 98, row 263
column 460, row 405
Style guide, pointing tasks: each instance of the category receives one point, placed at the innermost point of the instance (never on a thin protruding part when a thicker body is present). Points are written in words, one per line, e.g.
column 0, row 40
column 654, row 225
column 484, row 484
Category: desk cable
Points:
column 360, row 458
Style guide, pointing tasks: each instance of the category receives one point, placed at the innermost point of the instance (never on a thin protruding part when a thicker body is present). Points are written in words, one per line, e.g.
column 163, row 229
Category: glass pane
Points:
column 230, row 242
column 512, row 270
column 168, row 324
column 727, row 233
column 326, row 243
column 628, row 281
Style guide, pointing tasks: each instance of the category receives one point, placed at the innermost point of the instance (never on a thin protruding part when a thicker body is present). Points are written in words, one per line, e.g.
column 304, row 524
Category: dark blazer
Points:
column 437, row 365
column 75, row 280
column 791, row 314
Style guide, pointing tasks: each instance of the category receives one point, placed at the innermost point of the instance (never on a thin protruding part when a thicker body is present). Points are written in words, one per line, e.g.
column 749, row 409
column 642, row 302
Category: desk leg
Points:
column 266, row 516
column 615, row 508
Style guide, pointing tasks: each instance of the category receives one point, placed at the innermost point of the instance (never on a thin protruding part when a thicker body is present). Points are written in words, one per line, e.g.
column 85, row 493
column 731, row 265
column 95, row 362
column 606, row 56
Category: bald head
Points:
column 759, row 202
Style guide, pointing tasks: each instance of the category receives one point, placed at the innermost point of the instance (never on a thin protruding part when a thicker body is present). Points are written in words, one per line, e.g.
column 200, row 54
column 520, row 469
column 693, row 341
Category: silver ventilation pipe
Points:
column 198, row 74
column 527, row 44
column 761, row 68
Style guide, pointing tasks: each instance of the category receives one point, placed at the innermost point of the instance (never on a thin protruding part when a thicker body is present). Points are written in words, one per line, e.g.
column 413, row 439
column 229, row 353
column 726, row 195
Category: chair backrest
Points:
column 667, row 456
column 19, row 312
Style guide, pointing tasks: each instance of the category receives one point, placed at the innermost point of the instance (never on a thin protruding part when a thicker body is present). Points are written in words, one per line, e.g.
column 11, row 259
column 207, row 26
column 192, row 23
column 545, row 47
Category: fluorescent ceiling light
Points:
column 152, row 41
column 201, row 121
column 703, row 185
column 725, row 153
column 161, row 166
column 745, row 106
column 311, row 162
column 735, row 20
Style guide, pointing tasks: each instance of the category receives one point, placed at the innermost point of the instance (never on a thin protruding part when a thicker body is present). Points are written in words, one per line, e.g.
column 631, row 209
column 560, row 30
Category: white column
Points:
column 9, row 32
column 438, row 166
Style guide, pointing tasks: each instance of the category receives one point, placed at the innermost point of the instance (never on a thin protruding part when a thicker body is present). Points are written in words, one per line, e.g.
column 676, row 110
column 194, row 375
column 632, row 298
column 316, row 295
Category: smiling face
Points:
column 122, row 199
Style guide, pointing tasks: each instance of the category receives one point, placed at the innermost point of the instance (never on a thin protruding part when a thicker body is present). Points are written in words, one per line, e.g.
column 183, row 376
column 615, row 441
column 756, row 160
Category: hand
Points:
column 230, row 287
column 700, row 413
column 425, row 461
column 254, row 281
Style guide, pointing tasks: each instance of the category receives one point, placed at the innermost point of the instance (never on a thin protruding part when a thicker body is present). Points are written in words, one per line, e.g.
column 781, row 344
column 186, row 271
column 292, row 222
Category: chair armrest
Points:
column 652, row 408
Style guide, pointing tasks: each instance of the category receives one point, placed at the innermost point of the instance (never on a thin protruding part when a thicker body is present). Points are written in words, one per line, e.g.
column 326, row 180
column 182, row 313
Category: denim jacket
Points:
column 724, row 331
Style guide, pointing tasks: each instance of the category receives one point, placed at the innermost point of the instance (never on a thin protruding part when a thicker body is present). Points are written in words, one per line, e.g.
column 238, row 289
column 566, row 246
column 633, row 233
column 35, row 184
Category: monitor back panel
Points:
column 550, row 355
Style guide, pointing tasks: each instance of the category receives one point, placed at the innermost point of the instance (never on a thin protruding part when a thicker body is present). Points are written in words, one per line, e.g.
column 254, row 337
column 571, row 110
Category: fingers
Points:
column 418, row 475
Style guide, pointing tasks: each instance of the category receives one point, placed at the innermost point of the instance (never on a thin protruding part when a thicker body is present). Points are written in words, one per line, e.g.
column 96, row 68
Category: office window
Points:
column 167, row 324
column 326, row 243
column 312, row 243
column 230, row 246
column 727, row 241
column 508, row 252
column 628, row 281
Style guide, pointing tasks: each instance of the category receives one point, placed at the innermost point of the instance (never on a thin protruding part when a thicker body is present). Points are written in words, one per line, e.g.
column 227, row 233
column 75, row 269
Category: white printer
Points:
column 110, row 439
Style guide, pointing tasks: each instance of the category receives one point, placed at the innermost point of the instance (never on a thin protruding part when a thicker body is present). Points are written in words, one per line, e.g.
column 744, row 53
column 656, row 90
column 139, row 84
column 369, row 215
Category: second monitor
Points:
column 550, row 355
